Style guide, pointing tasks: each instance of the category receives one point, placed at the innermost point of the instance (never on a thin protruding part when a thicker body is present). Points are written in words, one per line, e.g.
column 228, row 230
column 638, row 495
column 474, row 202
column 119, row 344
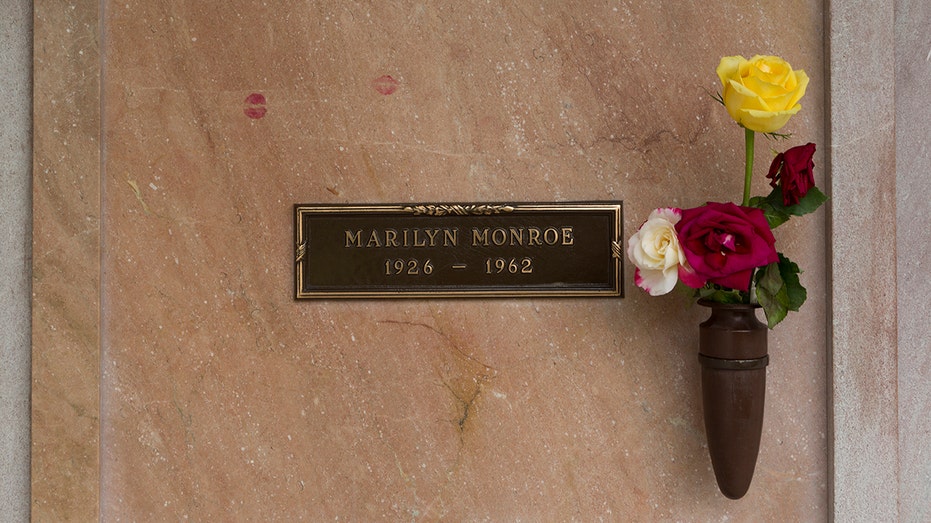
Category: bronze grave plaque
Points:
column 458, row 250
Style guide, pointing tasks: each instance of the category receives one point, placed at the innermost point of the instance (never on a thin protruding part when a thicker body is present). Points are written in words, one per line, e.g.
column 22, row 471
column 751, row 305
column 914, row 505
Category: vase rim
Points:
column 718, row 305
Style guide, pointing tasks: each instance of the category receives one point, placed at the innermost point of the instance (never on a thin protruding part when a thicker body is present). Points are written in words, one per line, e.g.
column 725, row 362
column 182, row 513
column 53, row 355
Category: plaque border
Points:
column 434, row 210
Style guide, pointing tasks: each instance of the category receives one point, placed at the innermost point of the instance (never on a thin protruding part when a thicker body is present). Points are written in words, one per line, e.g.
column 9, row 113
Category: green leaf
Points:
column 720, row 294
column 795, row 292
column 775, row 214
column 758, row 201
column 778, row 213
column 779, row 291
column 808, row 204
column 772, row 294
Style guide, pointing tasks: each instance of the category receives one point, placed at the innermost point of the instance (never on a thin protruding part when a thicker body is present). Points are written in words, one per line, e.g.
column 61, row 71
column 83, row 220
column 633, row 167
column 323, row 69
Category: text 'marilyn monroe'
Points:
column 449, row 237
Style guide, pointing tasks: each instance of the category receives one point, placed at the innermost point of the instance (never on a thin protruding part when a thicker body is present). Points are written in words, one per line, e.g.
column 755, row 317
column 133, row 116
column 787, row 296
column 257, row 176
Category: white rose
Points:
column 655, row 250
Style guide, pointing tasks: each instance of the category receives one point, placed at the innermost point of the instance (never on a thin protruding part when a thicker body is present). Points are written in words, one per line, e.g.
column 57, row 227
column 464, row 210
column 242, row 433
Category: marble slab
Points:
column 66, row 263
column 220, row 397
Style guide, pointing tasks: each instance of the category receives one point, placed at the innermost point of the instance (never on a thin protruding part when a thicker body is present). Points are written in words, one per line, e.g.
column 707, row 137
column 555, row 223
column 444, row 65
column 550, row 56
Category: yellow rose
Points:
column 761, row 93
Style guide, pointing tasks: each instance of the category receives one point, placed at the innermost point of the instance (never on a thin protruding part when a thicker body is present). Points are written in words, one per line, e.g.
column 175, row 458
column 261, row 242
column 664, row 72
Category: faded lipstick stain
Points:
column 255, row 106
column 385, row 84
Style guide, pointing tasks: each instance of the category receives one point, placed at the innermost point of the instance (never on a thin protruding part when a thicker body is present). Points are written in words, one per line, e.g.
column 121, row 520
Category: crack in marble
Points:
column 466, row 388
column 441, row 334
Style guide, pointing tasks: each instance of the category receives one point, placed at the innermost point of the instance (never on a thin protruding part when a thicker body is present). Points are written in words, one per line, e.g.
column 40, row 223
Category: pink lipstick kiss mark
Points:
column 385, row 85
column 255, row 106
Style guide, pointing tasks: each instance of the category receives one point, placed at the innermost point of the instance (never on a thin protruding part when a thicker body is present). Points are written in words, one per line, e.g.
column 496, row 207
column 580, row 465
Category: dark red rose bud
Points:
column 793, row 171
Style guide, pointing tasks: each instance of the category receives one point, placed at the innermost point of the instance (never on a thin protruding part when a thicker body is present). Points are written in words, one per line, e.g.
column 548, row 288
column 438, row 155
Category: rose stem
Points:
column 748, row 139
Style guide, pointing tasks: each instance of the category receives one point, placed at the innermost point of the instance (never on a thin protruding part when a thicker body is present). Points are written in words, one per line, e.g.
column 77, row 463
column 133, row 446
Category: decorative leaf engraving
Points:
column 458, row 210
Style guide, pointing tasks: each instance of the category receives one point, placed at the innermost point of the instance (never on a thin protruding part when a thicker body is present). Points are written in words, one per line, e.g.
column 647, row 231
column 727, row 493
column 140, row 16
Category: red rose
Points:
column 793, row 171
column 724, row 242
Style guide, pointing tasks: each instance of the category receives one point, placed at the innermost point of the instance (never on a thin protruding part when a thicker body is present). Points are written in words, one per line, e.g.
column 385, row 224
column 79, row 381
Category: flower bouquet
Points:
column 727, row 254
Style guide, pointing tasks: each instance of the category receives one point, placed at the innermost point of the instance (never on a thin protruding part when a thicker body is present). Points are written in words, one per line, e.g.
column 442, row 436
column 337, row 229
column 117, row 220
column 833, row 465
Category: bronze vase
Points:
column 732, row 352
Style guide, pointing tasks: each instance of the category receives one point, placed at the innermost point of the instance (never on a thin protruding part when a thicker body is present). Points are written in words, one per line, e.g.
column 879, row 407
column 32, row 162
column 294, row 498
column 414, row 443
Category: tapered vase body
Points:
column 733, row 356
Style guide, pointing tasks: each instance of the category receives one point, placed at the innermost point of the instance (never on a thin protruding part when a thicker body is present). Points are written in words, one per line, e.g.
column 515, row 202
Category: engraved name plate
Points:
column 458, row 250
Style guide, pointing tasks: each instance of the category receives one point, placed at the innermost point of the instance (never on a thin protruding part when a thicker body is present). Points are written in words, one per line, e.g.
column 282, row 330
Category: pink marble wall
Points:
column 913, row 188
column 221, row 397
column 66, row 263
